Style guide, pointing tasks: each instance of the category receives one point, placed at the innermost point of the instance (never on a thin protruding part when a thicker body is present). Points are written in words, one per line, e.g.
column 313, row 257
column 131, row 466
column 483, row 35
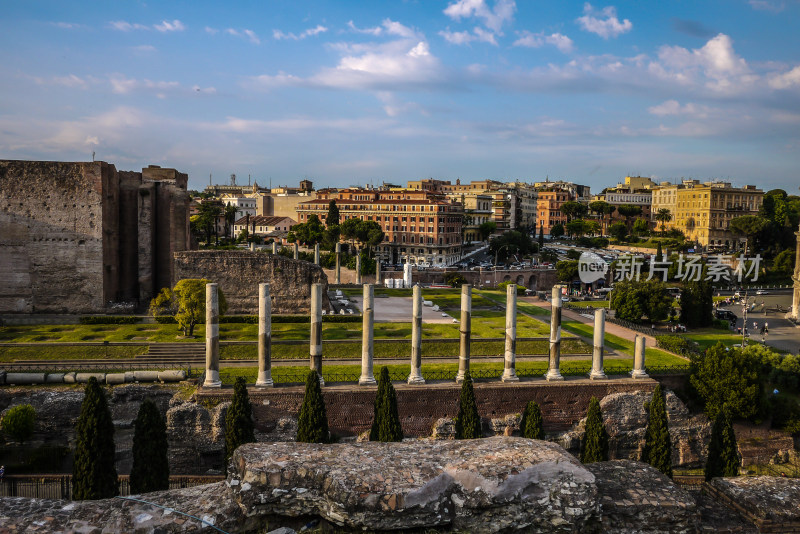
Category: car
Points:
column 726, row 315
column 762, row 292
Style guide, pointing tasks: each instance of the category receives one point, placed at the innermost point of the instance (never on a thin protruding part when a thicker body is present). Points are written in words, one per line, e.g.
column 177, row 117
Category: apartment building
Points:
column 263, row 225
column 634, row 191
column 548, row 206
column 421, row 225
column 703, row 211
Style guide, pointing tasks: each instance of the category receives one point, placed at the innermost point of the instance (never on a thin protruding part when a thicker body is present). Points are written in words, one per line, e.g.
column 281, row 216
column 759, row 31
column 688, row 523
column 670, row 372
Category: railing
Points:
column 60, row 486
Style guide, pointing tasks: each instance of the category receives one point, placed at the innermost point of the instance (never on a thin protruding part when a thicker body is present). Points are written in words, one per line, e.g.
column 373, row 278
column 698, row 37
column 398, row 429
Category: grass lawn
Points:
column 43, row 352
column 588, row 304
column 708, row 337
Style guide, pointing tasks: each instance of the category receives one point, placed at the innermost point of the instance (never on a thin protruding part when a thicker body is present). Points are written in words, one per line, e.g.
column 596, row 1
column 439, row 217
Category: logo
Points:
column 591, row 267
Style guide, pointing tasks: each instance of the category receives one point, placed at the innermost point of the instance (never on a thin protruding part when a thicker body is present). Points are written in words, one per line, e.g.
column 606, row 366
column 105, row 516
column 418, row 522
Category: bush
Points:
column 678, row 345
column 386, row 421
column 166, row 319
column 18, row 422
column 632, row 300
column 530, row 426
column 455, row 279
column 239, row 319
column 150, row 471
column 728, row 377
column 593, row 242
column 594, row 446
column 239, row 419
column 723, row 456
column 94, row 474
column 468, row 422
column 721, row 324
column 109, row 319
column 785, row 414
column 312, row 423
column 504, row 285
column 657, row 450
column 697, row 303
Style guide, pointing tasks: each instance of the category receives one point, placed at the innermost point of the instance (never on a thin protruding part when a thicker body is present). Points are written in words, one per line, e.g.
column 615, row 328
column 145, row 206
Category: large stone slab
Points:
column 487, row 485
column 771, row 503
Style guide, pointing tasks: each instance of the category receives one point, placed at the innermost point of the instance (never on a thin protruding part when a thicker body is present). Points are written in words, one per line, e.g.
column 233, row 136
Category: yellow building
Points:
column 703, row 211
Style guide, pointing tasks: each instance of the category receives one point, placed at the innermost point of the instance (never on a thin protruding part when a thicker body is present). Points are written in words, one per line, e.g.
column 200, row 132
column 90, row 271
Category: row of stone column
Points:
column 415, row 376
column 338, row 271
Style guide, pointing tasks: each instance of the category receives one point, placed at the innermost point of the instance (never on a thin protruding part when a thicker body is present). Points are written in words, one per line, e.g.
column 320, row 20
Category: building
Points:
column 703, row 211
column 283, row 201
column 548, row 206
column 421, row 226
column 244, row 205
column 635, row 191
column 796, row 282
column 83, row 237
column 263, row 226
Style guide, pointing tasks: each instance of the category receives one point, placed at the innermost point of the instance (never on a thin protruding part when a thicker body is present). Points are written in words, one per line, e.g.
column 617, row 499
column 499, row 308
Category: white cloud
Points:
column 250, row 35
column 124, row 26
column 673, row 107
column 204, row 90
column 70, row 81
column 459, row 38
column 167, row 26
column 67, row 25
column 277, row 34
column 604, row 22
column 494, row 19
column 786, row 79
column 377, row 30
column 144, row 49
column 211, row 31
column 535, row 40
column 387, row 27
column 122, row 85
column 766, row 5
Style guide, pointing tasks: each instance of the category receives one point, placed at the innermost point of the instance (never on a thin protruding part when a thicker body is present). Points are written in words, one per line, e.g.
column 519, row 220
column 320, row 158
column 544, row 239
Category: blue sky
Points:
column 353, row 92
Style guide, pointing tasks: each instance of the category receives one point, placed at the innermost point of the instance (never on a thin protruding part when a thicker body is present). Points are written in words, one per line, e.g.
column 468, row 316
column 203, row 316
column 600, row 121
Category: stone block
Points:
column 172, row 376
column 129, row 377
column 55, row 378
column 115, row 378
column 2, row 377
column 145, row 376
column 82, row 378
column 69, row 378
column 25, row 378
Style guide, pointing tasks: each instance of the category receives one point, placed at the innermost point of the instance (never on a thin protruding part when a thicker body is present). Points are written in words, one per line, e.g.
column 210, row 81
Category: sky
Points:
column 355, row 92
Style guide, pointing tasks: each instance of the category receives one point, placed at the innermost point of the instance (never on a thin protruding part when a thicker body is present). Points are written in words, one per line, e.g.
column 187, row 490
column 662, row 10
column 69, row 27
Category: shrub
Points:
column 723, row 458
column 530, row 426
column 594, row 446
column 697, row 303
column 504, row 285
column 468, row 422
column 678, row 345
column 386, row 421
column 312, row 424
column 239, row 419
column 109, row 319
column 657, row 449
column 632, row 300
column 150, row 470
column 18, row 422
column 455, row 279
column 94, row 475
column 727, row 377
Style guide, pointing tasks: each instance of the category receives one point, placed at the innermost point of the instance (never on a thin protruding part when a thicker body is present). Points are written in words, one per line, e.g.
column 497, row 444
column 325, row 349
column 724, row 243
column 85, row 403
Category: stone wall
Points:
column 85, row 238
column 238, row 273
column 534, row 279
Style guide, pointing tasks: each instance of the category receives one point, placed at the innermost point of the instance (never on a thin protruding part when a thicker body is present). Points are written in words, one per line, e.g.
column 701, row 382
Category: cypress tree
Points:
column 150, row 470
column 94, row 475
column 541, row 236
column 657, row 449
column 239, row 419
column 312, row 425
column 530, row 426
column 723, row 458
column 659, row 253
column 468, row 422
column 386, row 422
column 594, row 446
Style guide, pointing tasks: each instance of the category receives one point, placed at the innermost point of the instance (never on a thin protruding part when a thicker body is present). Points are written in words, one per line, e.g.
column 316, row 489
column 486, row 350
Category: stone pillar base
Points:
column 597, row 375
column 460, row 377
column 212, row 379
column 264, row 380
column 416, row 380
column 509, row 377
column 639, row 373
column 366, row 381
column 553, row 375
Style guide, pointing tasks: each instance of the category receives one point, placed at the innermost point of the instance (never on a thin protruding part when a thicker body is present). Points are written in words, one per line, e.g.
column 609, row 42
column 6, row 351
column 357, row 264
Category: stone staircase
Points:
column 189, row 353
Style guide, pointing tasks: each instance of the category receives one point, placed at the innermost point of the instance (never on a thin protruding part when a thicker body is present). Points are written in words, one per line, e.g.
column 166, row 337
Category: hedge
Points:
column 678, row 345
column 109, row 319
column 253, row 319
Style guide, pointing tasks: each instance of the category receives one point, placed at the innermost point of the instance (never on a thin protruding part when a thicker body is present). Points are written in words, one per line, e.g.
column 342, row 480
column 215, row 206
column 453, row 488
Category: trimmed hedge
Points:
column 678, row 345
column 109, row 319
column 253, row 319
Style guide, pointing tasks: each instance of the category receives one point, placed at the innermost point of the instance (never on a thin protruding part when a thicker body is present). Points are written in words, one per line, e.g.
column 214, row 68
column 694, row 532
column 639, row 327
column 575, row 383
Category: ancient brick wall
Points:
column 535, row 279
column 238, row 273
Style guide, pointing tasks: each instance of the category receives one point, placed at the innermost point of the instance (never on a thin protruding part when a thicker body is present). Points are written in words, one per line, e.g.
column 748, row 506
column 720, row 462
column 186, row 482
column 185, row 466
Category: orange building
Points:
column 548, row 207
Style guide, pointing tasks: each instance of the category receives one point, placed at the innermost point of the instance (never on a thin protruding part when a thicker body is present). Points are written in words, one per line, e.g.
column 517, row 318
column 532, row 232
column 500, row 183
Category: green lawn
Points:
column 45, row 352
column 587, row 304
column 707, row 337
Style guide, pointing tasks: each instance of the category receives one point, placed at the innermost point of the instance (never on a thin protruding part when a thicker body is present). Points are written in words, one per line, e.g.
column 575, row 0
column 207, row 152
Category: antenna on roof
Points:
column 248, row 179
column 92, row 155
column 209, row 178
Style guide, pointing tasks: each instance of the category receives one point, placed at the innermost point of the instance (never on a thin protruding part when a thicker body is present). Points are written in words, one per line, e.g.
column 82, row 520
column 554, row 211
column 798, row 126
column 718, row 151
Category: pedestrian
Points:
column 2, row 472
column 766, row 327
column 755, row 325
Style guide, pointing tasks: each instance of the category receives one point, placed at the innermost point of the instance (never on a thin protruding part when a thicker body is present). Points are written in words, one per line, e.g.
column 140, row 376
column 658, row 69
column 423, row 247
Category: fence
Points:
column 60, row 486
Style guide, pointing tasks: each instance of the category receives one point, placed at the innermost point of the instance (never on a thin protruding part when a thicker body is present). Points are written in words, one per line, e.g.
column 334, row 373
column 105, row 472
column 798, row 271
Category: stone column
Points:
column 639, row 345
column 338, row 279
column 554, row 372
column 509, row 370
column 296, row 250
column 599, row 338
column 316, row 253
column 316, row 330
column 212, row 337
column 358, row 267
column 367, row 336
column 252, row 247
column 378, row 273
column 465, row 328
column 274, row 247
column 264, row 337
column 416, row 338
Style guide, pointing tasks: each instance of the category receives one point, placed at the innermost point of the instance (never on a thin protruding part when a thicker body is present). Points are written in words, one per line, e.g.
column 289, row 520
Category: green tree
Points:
column 239, row 428
column 659, row 253
column 640, row 227
column 312, row 424
column 530, row 426
column 386, row 421
column 632, row 300
column 511, row 242
column 486, row 229
column 629, row 211
column 230, row 219
column 309, row 233
column 18, row 422
column 557, row 230
column 663, row 216
column 567, row 270
column 468, row 422
column 594, row 446
column 727, row 377
column 577, row 227
column 747, row 226
column 455, row 279
column 541, row 236
column 187, row 301
column 94, row 475
column 784, row 262
column 574, row 210
column 208, row 213
column 150, row 471
column 657, row 450
column 618, row 231
column 723, row 456
column 697, row 303
column 333, row 214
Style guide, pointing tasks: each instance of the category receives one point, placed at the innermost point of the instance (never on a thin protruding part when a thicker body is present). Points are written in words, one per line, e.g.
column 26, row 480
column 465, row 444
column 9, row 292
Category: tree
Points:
column 309, row 233
column 577, row 227
column 640, row 227
column 629, row 211
column 333, row 214
column 455, row 279
column 567, row 270
column 594, row 446
column 486, row 229
column 574, row 210
column 748, row 226
column 208, row 213
column 239, row 428
column 723, row 456
column 150, row 470
column 386, row 421
column 727, row 377
column 94, row 475
column 659, row 253
column 632, row 300
column 599, row 207
column 541, row 236
column 663, row 216
column 312, row 424
column 557, row 230
column 697, row 303
column 230, row 219
column 187, row 301
column 784, row 262
column 18, row 422
column 530, row 425
column 468, row 422
column 511, row 242
column 657, row 450
column 618, row 231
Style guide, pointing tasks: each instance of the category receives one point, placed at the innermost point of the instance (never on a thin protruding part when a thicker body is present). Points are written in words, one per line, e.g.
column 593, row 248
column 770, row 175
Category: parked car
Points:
column 762, row 292
column 726, row 315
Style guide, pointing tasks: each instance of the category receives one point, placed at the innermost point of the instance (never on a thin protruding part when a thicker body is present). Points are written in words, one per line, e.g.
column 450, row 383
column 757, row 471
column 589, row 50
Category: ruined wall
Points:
column 535, row 279
column 238, row 273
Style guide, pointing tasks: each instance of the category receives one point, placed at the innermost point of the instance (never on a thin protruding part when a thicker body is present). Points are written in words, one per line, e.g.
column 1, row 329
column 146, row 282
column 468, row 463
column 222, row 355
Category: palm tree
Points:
column 230, row 219
column 663, row 216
